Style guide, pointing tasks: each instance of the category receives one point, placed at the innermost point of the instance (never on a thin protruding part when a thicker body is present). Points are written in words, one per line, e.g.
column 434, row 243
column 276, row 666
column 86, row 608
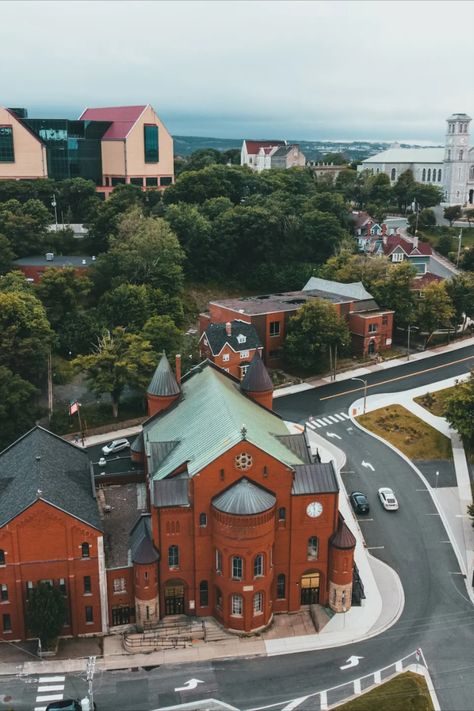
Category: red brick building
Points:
column 231, row 346
column 50, row 530
column 244, row 522
column 370, row 327
column 34, row 267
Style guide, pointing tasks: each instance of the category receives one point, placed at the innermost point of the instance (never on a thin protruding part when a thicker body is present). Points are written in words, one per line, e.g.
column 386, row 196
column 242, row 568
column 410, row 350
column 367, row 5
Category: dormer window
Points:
column 241, row 338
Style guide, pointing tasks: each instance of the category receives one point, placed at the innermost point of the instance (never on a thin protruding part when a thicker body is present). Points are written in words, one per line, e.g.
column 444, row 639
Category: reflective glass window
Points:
column 151, row 143
column 7, row 154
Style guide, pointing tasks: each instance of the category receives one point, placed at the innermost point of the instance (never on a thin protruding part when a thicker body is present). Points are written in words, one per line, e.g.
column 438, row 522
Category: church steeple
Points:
column 163, row 388
column 456, row 157
column 257, row 383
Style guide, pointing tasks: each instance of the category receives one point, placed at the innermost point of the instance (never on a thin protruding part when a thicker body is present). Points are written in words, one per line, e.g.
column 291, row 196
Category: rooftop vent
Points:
column 49, row 256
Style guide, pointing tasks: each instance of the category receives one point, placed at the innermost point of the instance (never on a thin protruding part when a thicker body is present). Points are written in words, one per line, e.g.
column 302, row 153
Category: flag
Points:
column 73, row 407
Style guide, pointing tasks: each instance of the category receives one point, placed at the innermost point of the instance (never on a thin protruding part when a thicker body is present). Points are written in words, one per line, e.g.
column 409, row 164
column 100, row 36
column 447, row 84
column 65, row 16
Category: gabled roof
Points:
column 171, row 492
column 354, row 290
column 394, row 241
column 316, row 478
column 256, row 379
column 209, row 419
column 163, row 382
column 360, row 218
column 424, row 280
column 141, row 543
column 407, row 155
column 123, row 119
column 217, row 337
column 253, row 146
column 244, row 498
column 41, row 465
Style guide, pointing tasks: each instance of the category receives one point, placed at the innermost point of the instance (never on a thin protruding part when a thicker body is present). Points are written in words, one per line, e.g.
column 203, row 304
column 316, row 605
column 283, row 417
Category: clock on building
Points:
column 314, row 509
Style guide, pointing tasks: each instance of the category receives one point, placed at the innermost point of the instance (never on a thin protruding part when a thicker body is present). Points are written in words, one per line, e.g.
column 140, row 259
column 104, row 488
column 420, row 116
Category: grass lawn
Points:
column 409, row 434
column 406, row 692
column 434, row 402
column 434, row 233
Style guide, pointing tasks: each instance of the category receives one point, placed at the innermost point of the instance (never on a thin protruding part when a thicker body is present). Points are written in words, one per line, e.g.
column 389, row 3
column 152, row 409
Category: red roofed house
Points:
column 397, row 249
column 264, row 155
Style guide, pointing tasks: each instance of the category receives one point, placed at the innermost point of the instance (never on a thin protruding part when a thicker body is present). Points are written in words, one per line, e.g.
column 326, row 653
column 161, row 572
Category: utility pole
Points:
column 55, row 205
column 459, row 247
column 50, row 386
column 90, row 670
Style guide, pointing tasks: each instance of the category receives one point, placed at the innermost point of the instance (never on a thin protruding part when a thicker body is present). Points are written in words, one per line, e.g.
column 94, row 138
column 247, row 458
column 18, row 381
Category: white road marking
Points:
column 365, row 519
column 345, row 415
column 353, row 661
column 190, row 684
column 378, row 677
column 357, row 687
column 53, row 687
column 339, row 418
column 368, row 465
column 39, row 708
column 375, row 548
column 50, row 697
column 421, row 489
column 326, row 421
column 323, row 424
column 333, row 434
column 333, row 419
column 324, row 701
column 48, row 679
column 432, row 514
column 294, row 704
column 310, row 425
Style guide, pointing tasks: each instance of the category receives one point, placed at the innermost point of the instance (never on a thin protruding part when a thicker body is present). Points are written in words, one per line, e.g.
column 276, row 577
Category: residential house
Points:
column 268, row 154
column 231, row 345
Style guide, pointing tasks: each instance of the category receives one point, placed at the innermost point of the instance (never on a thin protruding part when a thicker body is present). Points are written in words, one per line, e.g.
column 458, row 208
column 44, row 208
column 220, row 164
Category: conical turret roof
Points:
column 163, row 382
column 343, row 538
column 256, row 378
column 244, row 498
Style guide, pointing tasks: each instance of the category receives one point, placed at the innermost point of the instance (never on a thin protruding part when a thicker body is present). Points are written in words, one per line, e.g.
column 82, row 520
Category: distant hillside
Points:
column 313, row 150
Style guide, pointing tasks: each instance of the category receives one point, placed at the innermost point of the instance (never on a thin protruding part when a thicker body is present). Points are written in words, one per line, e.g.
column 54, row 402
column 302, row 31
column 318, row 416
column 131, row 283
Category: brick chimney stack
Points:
column 228, row 328
column 178, row 368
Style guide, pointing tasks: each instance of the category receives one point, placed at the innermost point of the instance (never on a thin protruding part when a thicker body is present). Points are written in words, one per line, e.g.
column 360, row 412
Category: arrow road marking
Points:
column 294, row 704
column 351, row 662
column 333, row 434
column 368, row 465
column 188, row 685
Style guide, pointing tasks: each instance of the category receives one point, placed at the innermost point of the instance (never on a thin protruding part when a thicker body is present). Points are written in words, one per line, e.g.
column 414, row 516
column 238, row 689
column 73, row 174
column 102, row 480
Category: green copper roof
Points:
column 209, row 420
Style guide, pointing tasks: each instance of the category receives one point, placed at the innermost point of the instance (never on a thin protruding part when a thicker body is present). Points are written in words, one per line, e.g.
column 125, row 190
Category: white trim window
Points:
column 243, row 370
column 397, row 257
column 225, row 357
column 237, row 606
column 119, row 585
column 241, row 338
column 258, row 603
column 244, row 354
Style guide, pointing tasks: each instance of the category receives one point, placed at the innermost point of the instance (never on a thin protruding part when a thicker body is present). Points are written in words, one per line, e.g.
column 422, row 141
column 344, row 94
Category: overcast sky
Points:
column 309, row 70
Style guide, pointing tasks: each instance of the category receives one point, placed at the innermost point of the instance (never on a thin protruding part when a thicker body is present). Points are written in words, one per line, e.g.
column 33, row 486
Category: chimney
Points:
column 415, row 241
column 384, row 238
column 178, row 368
column 384, row 228
column 228, row 328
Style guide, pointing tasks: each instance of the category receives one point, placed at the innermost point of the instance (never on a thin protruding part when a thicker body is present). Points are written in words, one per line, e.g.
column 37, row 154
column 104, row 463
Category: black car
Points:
column 359, row 502
column 64, row 705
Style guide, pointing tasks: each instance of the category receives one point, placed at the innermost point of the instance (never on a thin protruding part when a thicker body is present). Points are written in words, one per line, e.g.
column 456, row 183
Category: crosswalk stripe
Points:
column 316, row 425
column 333, row 418
column 311, row 425
column 323, row 424
column 50, row 679
column 53, row 687
column 326, row 421
column 339, row 418
column 50, row 697
column 345, row 415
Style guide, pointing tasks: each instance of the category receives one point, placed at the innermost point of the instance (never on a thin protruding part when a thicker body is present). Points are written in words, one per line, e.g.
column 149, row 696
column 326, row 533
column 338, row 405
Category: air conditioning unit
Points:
column 49, row 256
column 107, row 508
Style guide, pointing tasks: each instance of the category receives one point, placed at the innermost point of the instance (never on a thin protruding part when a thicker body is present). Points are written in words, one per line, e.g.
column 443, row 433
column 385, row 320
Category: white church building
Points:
column 450, row 168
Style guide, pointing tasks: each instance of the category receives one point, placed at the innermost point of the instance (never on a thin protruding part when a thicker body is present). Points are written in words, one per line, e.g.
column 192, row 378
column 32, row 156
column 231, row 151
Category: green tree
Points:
column 45, row 613
column 469, row 214
column 194, row 232
column 427, row 195
column 6, row 254
column 434, row 311
column 104, row 222
column 460, row 290
column 63, row 292
column 379, row 189
column 467, row 259
column 119, row 359
column 421, row 220
column 128, row 305
column 163, row 335
column 394, row 292
column 77, row 198
column 444, row 245
column 335, row 158
column 312, row 331
column 404, row 190
column 452, row 213
column 24, row 225
column 18, row 409
column 25, row 334
column 459, row 409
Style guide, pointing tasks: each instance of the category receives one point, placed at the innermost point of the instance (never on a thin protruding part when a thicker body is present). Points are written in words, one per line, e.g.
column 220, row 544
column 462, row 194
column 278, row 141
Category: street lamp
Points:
column 459, row 247
column 365, row 390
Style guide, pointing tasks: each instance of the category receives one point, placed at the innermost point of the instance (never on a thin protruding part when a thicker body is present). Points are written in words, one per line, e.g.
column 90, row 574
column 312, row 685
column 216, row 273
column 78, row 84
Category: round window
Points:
column 243, row 461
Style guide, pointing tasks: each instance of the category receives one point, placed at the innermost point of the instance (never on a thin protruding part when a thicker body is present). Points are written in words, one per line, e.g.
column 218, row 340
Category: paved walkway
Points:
column 451, row 502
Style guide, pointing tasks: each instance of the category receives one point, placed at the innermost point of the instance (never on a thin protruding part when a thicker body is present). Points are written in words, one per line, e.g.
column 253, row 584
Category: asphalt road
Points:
column 437, row 616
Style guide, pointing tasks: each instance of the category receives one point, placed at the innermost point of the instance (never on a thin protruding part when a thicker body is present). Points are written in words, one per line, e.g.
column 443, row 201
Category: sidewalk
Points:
column 451, row 502
column 384, row 365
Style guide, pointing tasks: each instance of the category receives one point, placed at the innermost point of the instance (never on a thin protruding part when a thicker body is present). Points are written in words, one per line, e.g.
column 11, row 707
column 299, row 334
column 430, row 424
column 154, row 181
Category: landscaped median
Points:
column 405, row 691
column 416, row 439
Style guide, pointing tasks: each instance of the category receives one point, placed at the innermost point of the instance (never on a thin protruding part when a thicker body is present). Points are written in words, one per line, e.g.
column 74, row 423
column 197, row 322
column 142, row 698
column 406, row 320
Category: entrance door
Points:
column 471, row 196
column 310, row 589
column 371, row 349
column 120, row 615
column 174, row 599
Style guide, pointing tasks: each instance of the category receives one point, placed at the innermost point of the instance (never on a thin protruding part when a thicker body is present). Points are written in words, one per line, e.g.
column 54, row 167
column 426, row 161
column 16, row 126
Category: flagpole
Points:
column 80, row 422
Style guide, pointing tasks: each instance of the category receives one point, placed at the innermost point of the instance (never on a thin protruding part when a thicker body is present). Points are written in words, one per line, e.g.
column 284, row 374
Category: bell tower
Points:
column 456, row 163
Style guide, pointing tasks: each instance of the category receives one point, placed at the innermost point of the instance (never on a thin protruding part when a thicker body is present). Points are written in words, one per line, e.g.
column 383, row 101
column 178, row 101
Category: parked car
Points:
column 64, row 705
column 388, row 499
column 116, row 446
column 359, row 502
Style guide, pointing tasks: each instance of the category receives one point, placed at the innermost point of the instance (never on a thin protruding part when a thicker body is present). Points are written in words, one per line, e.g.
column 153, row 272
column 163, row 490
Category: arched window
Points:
column 461, row 154
column 313, row 545
column 237, row 606
column 258, row 603
column 393, row 174
column 429, row 174
column 281, row 586
column 258, row 565
column 203, row 593
column 173, row 557
column 449, row 153
column 471, row 172
column 282, row 514
column 85, row 550
column 423, row 175
column 439, row 175
column 2, row 556
column 237, row 567
column 203, row 520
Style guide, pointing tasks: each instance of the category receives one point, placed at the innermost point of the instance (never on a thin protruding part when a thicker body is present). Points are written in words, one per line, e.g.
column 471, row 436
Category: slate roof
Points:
column 343, row 538
column 407, row 155
column 393, row 241
column 163, row 382
column 159, row 451
column 217, row 337
column 123, row 119
column 137, row 444
column 208, row 420
column 244, row 498
column 354, row 290
column 141, row 544
column 171, row 492
column 298, row 444
column 60, row 476
column 256, row 379
column 314, row 478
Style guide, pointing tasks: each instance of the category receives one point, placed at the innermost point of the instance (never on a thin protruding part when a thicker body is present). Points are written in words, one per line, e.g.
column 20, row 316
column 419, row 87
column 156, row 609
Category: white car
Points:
column 116, row 446
column 388, row 499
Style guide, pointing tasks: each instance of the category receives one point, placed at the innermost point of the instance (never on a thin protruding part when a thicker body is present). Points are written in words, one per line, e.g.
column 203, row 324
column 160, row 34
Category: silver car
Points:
column 388, row 499
column 116, row 446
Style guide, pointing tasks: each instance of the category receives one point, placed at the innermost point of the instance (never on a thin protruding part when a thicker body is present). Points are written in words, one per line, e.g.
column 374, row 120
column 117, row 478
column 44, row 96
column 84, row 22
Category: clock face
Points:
column 314, row 509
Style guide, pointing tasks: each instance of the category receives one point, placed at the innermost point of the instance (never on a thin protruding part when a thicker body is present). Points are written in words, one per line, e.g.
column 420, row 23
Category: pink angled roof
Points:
column 394, row 241
column 253, row 147
column 122, row 117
